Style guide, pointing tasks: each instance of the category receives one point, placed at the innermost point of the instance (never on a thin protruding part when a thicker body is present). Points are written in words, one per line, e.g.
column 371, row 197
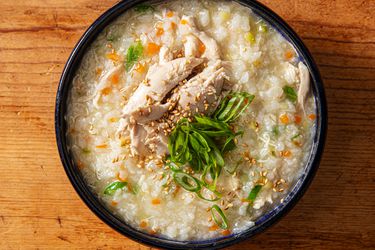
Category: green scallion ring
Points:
column 224, row 222
column 185, row 181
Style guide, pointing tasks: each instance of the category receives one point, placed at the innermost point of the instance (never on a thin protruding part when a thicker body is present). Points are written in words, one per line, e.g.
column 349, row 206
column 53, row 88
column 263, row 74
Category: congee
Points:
column 191, row 119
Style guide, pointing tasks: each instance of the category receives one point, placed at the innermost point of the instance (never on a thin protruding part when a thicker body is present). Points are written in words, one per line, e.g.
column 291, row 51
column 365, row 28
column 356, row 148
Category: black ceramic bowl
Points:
column 263, row 222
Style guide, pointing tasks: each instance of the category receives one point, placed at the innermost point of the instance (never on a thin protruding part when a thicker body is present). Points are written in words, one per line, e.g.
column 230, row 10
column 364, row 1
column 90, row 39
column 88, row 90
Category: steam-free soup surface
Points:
column 153, row 71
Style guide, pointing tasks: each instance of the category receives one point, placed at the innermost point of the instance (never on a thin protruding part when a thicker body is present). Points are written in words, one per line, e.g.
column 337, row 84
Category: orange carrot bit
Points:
column 297, row 119
column 201, row 48
column 101, row 146
column 106, row 91
column 184, row 21
column 226, row 232
column 312, row 117
column 143, row 224
column 140, row 68
column 113, row 56
column 284, row 119
column 80, row 165
column 155, row 201
column 114, row 203
column 169, row 14
column 159, row 31
column 213, row 227
column 289, row 55
column 173, row 26
column 285, row 153
column 114, row 79
column 98, row 72
column 153, row 48
column 119, row 177
column 152, row 231
column 113, row 119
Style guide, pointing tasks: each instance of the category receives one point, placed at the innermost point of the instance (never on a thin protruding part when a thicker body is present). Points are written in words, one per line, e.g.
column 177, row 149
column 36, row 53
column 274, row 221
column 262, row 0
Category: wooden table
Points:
column 40, row 209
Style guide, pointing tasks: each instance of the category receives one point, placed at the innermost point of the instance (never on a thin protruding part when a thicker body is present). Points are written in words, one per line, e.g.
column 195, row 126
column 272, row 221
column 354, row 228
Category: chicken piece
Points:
column 191, row 46
column 304, row 87
column 159, row 82
column 201, row 93
column 212, row 51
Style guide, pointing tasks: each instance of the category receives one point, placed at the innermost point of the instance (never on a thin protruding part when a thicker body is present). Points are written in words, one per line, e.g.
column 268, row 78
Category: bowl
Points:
column 264, row 221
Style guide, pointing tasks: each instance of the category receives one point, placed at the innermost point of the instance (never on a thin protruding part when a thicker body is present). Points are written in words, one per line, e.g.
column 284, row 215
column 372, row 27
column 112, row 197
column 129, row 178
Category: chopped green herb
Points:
column 86, row 151
column 253, row 193
column 232, row 106
column 295, row 137
column 262, row 27
column 186, row 181
column 202, row 143
column 275, row 130
column 250, row 37
column 111, row 188
column 290, row 93
column 223, row 221
column 133, row 54
column 143, row 8
column 135, row 189
column 233, row 169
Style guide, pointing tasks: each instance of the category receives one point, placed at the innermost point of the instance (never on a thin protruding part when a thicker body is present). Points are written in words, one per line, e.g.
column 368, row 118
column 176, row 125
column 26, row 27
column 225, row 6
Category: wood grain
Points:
column 40, row 209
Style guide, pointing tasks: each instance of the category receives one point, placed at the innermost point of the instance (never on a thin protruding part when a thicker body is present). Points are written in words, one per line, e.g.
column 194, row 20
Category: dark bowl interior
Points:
column 263, row 222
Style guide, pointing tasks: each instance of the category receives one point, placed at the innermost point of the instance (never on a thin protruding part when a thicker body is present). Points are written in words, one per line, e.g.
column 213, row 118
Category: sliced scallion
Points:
column 187, row 181
column 111, row 188
column 223, row 221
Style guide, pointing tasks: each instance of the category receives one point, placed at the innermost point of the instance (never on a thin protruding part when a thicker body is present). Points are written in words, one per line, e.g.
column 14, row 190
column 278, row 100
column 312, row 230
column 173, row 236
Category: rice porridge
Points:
column 191, row 119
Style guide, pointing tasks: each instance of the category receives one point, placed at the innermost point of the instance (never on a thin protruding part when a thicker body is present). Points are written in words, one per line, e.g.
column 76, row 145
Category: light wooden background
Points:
column 40, row 209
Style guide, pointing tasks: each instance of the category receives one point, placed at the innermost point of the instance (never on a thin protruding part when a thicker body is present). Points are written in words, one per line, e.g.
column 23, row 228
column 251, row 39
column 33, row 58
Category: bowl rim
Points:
column 117, row 224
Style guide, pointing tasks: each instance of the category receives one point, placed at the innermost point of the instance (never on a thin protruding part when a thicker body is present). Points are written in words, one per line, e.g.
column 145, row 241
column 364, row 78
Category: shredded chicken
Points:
column 166, row 94
column 304, row 86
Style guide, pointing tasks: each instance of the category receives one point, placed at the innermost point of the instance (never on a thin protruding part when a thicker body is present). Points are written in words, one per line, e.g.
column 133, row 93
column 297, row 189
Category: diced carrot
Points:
column 184, row 21
column 80, row 165
column 159, row 31
column 113, row 56
column 312, row 117
column 213, row 227
column 153, row 48
column 286, row 153
column 297, row 119
column 101, row 146
column 119, row 177
column 201, row 48
column 143, row 224
column 114, row 203
column 98, row 72
column 114, row 79
column 226, row 232
column 140, row 68
column 284, row 119
column 289, row 55
column 173, row 26
column 169, row 14
column 106, row 91
column 152, row 231
column 155, row 201
column 113, row 119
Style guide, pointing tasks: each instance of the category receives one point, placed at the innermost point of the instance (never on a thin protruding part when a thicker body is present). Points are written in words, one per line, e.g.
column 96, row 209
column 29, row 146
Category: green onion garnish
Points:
column 223, row 222
column 290, row 93
column 187, row 181
column 202, row 142
column 133, row 54
column 253, row 193
column 111, row 188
